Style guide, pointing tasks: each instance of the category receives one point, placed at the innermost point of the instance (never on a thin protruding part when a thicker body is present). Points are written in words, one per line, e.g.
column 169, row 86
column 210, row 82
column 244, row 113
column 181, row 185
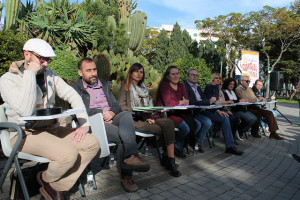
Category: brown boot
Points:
column 128, row 184
column 275, row 136
column 47, row 191
column 134, row 163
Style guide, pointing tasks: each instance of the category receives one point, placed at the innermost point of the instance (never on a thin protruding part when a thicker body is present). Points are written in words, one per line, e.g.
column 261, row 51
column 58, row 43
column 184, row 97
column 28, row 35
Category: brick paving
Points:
column 266, row 171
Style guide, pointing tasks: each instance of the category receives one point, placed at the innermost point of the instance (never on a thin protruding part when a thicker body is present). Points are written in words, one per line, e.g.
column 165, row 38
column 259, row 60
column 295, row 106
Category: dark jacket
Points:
column 212, row 91
column 227, row 97
column 192, row 96
column 112, row 101
column 257, row 92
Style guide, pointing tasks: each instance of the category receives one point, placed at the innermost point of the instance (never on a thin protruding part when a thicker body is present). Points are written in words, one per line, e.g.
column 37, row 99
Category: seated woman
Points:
column 247, row 118
column 172, row 93
column 134, row 93
column 214, row 90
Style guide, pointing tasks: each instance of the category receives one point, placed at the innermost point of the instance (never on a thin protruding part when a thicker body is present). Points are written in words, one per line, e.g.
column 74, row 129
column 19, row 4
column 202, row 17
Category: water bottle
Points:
column 146, row 151
column 196, row 149
column 91, row 184
column 134, row 173
column 111, row 160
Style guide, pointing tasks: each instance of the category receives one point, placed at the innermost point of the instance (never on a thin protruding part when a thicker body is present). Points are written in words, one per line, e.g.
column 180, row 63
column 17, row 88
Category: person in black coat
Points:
column 247, row 118
column 206, row 117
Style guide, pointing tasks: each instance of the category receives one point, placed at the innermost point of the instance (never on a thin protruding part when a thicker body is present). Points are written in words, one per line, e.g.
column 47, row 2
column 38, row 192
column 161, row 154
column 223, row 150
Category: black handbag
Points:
column 29, row 174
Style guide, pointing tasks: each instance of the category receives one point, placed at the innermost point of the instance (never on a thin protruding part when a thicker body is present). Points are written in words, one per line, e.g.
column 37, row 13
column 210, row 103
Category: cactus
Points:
column 11, row 13
column 103, row 66
column 1, row 7
column 125, row 10
column 137, row 28
column 112, row 21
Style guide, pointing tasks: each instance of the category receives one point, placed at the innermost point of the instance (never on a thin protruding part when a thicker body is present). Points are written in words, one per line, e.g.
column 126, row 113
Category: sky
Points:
column 185, row 12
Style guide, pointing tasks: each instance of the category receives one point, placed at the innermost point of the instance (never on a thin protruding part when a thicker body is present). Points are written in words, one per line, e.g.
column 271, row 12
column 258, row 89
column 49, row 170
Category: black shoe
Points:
column 296, row 157
column 179, row 153
column 241, row 134
column 164, row 161
column 234, row 150
column 235, row 142
column 172, row 167
column 200, row 149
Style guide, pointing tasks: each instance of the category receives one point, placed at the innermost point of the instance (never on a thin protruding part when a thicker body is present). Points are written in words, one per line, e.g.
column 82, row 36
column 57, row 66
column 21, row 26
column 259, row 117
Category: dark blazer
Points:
column 112, row 101
column 192, row 96
column 212, row 91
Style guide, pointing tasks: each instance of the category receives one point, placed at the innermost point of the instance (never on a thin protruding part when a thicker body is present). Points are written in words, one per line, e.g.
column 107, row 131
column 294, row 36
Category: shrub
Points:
column 65, row 65
column 11, row 49
column 184, row 64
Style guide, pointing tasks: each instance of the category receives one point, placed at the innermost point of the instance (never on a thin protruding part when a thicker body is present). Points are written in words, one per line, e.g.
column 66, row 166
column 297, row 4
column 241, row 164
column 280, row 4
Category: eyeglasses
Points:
column 195, row 75
column 247, row 81
column 42, row 59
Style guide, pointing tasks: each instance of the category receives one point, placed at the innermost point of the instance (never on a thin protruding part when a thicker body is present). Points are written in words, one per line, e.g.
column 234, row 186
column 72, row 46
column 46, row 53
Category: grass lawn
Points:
column 284, row 100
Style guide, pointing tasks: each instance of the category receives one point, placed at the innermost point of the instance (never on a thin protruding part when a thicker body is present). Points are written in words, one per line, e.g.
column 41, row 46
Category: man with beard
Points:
column 98, row 98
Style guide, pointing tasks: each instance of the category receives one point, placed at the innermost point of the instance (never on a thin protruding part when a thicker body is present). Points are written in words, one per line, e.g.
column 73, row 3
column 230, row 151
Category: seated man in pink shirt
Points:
column 98, row 98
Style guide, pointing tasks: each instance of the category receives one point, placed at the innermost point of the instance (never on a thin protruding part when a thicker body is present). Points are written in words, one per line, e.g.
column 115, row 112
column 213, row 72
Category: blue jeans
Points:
column 184, row 130
column 248, row 120
column 205, row 126
column 225, row 124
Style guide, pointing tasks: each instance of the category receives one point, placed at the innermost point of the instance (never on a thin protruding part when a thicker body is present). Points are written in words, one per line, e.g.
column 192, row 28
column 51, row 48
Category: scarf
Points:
column 231, row 95
column 139, row 95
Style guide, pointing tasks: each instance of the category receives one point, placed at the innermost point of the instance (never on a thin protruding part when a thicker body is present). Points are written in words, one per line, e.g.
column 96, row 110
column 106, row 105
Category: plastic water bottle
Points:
column 134, row 173
column 91, row 184
column 146, row 151
column 196, row 149
column 112, row 160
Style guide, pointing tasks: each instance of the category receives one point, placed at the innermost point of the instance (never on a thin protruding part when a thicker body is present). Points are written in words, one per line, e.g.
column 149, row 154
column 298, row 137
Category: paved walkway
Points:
column 266, row 171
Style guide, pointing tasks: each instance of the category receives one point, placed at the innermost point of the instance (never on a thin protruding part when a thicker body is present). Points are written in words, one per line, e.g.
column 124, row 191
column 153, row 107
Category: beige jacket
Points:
column 22, row 95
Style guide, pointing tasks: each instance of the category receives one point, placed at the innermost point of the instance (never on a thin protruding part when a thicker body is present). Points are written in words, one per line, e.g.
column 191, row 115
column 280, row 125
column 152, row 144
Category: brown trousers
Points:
column 268, row 115
column 164, row 128
column 68, row 157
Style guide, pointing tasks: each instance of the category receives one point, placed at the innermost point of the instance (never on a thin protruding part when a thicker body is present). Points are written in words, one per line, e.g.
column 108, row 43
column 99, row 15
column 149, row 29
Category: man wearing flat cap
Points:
column 23, row 90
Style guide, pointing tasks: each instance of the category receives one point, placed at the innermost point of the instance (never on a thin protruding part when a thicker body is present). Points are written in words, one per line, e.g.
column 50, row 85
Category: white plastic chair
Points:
column 14, row 155
column 12, row 152
column 145, row 135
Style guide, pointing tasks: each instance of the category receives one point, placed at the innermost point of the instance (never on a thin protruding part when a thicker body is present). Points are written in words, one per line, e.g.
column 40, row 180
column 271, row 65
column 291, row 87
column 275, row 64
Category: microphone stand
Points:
column 276, row 109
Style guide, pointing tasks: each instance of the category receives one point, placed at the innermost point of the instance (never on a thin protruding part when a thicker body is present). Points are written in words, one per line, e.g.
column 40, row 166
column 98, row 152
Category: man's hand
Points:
column 212, row 100
column 80, row 133
column 221, row 113
column 229, row 112
column 34, row 66
column 108, row 115
column 259, row 99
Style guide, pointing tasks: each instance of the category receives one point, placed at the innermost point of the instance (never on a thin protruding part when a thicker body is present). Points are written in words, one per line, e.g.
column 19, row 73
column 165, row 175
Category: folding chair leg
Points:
column 157, row 148
column 142, row 144
column 21, row 178
column 5, row 171
column 210, row 139
column 81, row 188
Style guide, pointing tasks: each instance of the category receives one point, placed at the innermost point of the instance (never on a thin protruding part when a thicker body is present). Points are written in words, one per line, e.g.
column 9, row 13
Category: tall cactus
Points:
column 137, row 28
column 125, row 10
column 1, row 7
column 103, row 66
column 11, row 13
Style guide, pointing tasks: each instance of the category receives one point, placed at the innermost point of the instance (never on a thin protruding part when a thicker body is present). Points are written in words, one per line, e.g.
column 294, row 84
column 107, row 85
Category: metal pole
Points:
column 221, row 67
